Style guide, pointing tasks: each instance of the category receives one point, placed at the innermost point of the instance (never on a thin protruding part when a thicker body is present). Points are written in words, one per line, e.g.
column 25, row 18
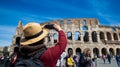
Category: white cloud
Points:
column 5, row 43
column 6, row 35
column 8, row 28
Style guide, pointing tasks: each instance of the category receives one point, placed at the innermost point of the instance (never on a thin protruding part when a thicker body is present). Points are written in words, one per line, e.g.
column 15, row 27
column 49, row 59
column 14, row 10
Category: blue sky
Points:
column 11, row 11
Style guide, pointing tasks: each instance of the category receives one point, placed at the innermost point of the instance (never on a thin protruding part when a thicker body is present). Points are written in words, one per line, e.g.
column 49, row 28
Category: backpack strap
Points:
column 40, row 52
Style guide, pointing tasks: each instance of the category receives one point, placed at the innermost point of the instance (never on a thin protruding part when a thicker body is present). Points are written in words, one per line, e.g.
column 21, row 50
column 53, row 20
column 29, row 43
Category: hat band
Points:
column 34, row 36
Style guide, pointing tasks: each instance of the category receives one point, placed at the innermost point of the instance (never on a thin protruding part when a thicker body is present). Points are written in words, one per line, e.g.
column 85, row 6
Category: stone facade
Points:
column 87, row 33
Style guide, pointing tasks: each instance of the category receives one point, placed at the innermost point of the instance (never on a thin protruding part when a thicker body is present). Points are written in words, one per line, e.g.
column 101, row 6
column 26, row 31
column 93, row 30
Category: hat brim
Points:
column 31, row 41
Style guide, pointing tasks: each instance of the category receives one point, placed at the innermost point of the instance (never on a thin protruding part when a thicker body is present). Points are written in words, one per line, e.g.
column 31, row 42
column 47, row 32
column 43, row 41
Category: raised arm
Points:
column 57, row 50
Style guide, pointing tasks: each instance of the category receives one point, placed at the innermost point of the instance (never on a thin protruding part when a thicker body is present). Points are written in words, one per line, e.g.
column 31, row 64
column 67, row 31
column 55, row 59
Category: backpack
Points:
column 21, row 62
column 30, row 62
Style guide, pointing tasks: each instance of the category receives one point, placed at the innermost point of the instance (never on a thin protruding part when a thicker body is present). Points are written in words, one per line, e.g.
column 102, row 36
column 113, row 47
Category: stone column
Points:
column 118, row 36
column 73, row 41
column 65, row 27
column 92, row 54
column 81, row 36
column 105, row 36
column 90, row 38
column 108, row 50
column 112, row 37
column 114, row 51
column 100, row 52
column 81, row 27
column 89, row 27
column 98, row 37
column 52, row 39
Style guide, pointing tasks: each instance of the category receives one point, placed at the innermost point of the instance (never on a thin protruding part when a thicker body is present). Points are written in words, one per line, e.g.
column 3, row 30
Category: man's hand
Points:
column 57, row 27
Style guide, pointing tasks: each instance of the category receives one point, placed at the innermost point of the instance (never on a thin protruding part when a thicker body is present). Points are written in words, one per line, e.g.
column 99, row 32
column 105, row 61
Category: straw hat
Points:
column 33, row 32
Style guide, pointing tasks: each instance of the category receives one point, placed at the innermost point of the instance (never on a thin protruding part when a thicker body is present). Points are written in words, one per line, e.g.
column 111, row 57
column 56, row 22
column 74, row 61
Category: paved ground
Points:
column 100, row 63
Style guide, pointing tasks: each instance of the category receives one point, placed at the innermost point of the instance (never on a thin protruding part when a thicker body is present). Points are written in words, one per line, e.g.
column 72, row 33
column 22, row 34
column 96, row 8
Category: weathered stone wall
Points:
column 100, row 38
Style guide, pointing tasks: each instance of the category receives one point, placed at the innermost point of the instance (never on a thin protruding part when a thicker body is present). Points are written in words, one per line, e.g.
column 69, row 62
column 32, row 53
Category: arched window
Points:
column 94, row 36
column 77, row 36
column 86, row 36
column 118, row 51
column 55, row 37
column 96, row 51
column 115, row 36
column 102, row 37
column 111, row 51
column 104, row 51
column 84, row 28
column 61, row 23
column 109, row 36
column 78, row 50
column 69, row 35
column 84, row 21
column 68, row 21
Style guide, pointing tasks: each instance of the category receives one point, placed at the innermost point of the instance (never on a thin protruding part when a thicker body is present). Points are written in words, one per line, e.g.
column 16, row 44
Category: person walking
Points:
column 104, row 57
column 118, row 59
column 109, row 58
column 32, row 43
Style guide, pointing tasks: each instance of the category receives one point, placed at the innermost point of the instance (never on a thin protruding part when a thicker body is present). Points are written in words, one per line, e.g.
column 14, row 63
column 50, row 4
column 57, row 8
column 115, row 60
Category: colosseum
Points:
column 86, row 33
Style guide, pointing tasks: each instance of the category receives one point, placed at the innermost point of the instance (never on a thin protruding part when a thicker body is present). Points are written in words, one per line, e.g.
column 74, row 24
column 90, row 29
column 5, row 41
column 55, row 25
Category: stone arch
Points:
column 109, row 36
column 94, row 36
column 104, row 51
column 96, row 51
column 115, row 36
column 69, row 35
column 84, row 28
column 84, row 22
column 78, row 50
column 55, row 36
column 102, row 36
column 111, row 51
column 77, row 36
column 118, row 51
column 86, row 37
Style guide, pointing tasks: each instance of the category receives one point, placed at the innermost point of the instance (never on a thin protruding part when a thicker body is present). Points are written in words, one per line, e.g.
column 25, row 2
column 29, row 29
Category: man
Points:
column 33, row 40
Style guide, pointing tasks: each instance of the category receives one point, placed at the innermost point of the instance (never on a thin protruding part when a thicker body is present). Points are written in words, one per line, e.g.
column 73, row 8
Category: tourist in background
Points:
column 104, row 57
column 118, row 59
column 109, row 58
column 69, row 59
column 85, row 59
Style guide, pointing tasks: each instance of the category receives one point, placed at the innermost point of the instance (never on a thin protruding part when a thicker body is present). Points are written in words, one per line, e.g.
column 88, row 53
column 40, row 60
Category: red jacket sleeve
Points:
column 57, row 50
